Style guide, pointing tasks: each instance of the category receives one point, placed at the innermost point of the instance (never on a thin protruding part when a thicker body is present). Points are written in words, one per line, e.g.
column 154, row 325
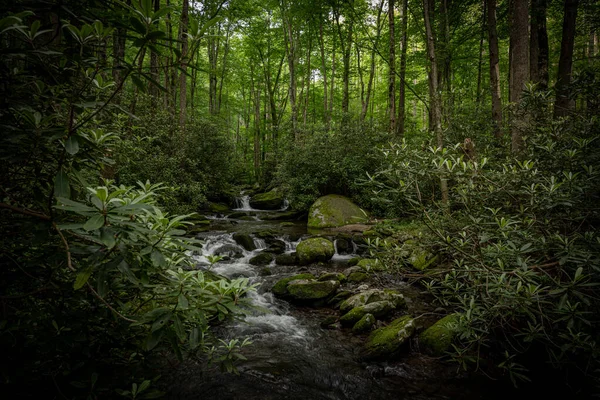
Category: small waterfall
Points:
column 260, row 243
column 290, row 246
column 243, row 204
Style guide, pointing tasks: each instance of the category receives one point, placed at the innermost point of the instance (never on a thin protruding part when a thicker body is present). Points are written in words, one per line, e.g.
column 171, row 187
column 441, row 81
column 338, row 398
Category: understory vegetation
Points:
column 123, row 122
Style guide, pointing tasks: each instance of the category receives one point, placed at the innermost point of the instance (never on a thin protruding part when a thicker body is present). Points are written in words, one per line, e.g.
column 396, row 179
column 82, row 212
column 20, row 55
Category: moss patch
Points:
column 272, row 200
column 438, row 337
column 311, row 289
column 387, row 340
column 333, row 211
column 314, row 250
column 369, row 264
column 364, row 324
column 280, row 288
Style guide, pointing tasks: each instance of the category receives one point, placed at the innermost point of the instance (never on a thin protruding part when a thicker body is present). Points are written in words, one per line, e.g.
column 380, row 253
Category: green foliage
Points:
column 520, row 239
column 330, row 163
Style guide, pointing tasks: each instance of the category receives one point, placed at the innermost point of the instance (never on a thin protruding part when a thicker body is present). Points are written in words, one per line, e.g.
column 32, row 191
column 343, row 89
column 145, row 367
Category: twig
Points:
column 25, row 211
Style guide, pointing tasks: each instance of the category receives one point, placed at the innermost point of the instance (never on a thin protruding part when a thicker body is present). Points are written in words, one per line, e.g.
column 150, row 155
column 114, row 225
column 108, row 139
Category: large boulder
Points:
column 244, row 240
column 333, row 211
column 280, row 288
column 364, row 324
column 436, row 339
column 372, row 296
column 314, row 250
column 286, row 259
column 261, row 259
column 309, row 289
column 272, row 200
column 388, row 340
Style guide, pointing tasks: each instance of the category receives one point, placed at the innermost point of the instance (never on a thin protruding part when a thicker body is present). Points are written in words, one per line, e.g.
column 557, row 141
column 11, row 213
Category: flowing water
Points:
column 291, row 356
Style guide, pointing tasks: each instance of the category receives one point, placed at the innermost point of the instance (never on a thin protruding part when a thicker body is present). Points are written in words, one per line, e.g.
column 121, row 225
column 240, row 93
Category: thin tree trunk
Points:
column 307, row 80
column 435, row 106
column 563, row 102
column 331, row 88
column 184, row 63
column 290, row 45
column 119, row 42
column 379, row 24
column 494, row 68
column 324, row 73
column 519, row 68
column 480, row 63
column 538, row 46
column 392, row 69
column 223, row 69
column 154, row 71
column 402, row 93
column 446, row 72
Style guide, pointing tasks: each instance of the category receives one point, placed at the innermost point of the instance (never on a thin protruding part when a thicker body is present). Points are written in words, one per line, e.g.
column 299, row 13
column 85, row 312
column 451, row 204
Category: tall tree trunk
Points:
column 392, row 69
column 480, row 63
column 379, row 25
column 213, row 44
column 332, row 86
column 184, row 62
column 154, row 71
column 290, row 45
column 324, row 73
column 402, row 95
column 435, row 106
column 565, row 63
column 519, row 68
column 538, row 44
column 446, row 72
column 307, row 80
column 346, row 45
column 494, row 68
column 223, row 69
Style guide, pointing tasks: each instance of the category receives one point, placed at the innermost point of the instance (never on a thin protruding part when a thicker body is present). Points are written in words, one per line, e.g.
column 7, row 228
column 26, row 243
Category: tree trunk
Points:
column 154, row 71
column 379, row 25
column 290, row 45
column 346, row 45
column 480, row 63
column 519, row 68
column 435, row 106
column 565, row 63
column 184, row 63
column 446, row 72
column 402, row 95
column 392, row 69
column 213, row 44
column 324, row 73
column 494, row 68
column 332, row 86
column 223, row 69
column 538, row 47
column 119, row 41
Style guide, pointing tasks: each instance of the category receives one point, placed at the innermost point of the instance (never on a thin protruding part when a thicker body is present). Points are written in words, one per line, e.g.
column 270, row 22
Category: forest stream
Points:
column 292, row 356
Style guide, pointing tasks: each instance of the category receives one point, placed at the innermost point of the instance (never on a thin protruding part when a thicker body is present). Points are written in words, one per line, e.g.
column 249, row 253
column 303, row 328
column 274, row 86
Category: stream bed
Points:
column 292, row 356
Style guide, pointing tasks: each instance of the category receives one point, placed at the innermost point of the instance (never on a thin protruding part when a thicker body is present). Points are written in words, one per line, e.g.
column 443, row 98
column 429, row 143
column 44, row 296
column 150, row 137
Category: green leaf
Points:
column 182, row 302
column 158, row 259
column 82, row 278
column 72, row 145
column 179, row 330
column 108, row 237
column 125, row 270
column 96, row 222
column 194, row 338
column 139, row 83
column 153, row 339
column 61, row 185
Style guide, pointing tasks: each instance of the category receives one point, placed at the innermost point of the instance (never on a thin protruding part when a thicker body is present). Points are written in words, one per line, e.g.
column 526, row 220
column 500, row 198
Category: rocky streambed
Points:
column 328, row 322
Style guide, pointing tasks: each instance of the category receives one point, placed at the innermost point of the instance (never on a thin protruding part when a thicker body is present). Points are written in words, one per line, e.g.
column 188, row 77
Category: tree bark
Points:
column 379, row 24
column 538, row 46
column 435, row 106
column 154, row 71
column 565, row 63
column 494, row 68
column 183, row 28
column 480, row 63
column 290, row 45
column 519, row 68
column 324, row 73
column 392, row 69
column 402, row 94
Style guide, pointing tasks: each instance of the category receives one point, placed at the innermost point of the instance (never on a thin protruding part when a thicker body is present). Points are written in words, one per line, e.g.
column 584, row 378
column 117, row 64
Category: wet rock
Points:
column 340, row 296
column 266, row 271
column 388, row 340
column 328, row 322
column 378, row 309
column 333, row 276
column 266, row 234
column 283, row 216
column 350, row 270
column 343, row 246
column 357, row 277
column 263, row 258
column 280, row 288
column 353, row 261
column 371, row 296
column 314, row 250
column 228, row 250
column 286, row 259
column 244, row 240
column 286, row 223
column 219, row 208
column 364, row 324
column 369, row 264
column 276, row 247
column 307, row 289
column 272, row 200
column 436, row 339
column 334, row 211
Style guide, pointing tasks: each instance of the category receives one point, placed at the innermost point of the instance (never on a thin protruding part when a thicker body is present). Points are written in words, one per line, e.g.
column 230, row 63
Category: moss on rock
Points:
column 370, row 264
column 387, row 340
column 307, row 289
column 357, row 277
column 272, row 200
column 218, row 208
column 314, row 250
column 261, row 259
column 436, row 339
column 372, row 296
column 245, row 241
column 364, row 324
column 378, row 309
column 333, row 211
column 286, row 259
column 335, row 276
column 280, row 288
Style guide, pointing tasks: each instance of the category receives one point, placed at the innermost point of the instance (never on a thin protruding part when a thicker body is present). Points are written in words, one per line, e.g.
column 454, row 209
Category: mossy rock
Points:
column 357, row 277
column 266, row 234
column 314, row 250
column 286, row 223
column 364, row 324
column 354, row 261
column 436, row 339
column 339, row 297
column 378, row 309
column 280, row 288
column 263, row 258
column 309, row 289
column 333, row 276
column 328, row 322
column 237, row 215
column 388, row 340
column 266, row 271
column 369, row 264
column 272, row 200
column 244, row 240
column 371, row 296
column 218, row 208
column 333, row 211
column 276, row 247
column 286, row 259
